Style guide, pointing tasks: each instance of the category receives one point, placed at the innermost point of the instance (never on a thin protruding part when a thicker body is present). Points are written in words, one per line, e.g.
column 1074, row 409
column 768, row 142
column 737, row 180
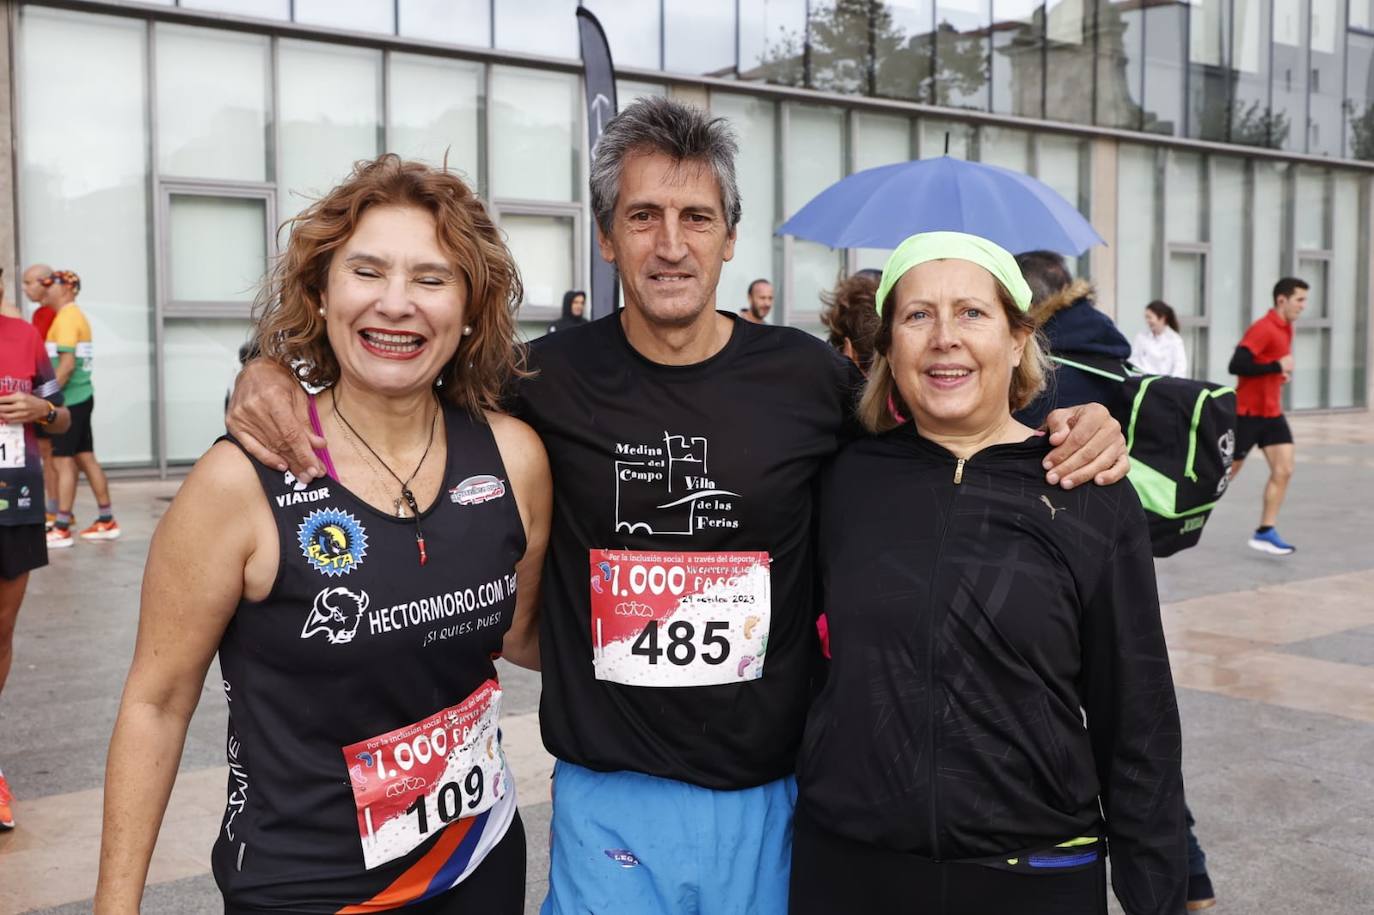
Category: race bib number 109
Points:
column 413, row 781
column 679, row 619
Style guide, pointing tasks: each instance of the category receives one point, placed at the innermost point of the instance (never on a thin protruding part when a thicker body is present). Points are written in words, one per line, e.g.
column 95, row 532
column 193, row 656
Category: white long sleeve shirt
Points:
column 1160, row 354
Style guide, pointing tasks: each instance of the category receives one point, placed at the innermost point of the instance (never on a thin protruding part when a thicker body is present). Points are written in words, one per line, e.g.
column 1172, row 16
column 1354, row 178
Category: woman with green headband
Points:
column 999, row 711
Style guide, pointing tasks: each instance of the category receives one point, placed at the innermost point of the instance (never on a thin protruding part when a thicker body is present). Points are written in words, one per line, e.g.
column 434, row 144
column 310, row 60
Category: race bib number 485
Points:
column 413, row 781
column 679, row 619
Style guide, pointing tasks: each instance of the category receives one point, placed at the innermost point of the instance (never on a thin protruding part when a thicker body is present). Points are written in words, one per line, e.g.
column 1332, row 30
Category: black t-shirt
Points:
column 703, row 476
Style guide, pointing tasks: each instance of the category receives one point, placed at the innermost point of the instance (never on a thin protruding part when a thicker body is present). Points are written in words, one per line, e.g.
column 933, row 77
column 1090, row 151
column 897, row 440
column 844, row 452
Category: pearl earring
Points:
column 467, row 330
column 321, row 311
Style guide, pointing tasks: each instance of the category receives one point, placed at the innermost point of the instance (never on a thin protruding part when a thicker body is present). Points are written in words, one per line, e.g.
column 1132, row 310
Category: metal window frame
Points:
column 235, row 190
column 576, row 213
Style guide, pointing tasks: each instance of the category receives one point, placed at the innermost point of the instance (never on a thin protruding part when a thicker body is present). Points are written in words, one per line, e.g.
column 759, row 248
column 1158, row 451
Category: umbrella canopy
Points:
column 881, row 207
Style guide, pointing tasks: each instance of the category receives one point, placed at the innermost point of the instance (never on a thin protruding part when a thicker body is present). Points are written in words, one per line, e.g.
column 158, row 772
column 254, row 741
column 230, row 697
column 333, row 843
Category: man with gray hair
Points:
column 677, row 639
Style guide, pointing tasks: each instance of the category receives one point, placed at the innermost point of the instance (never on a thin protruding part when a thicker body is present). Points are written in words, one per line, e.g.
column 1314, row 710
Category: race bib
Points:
column 51, row 347
column 679, row 619
column 86, row 353
column 11, row 445
column 413, row 781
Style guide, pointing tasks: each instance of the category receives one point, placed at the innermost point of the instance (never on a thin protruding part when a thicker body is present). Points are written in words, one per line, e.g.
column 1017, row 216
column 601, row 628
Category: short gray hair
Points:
column 661, row 125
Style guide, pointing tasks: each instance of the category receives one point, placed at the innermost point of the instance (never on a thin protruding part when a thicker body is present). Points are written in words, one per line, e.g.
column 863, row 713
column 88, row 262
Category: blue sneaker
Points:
column 1270, row 542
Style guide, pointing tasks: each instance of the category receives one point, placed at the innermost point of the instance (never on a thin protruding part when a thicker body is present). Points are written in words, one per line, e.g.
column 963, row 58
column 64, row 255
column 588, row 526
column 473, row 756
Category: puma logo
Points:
column 1050, row 505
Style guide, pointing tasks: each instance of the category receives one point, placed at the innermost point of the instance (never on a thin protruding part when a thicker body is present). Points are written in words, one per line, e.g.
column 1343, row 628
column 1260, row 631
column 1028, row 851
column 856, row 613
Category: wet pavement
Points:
column 1273, row 657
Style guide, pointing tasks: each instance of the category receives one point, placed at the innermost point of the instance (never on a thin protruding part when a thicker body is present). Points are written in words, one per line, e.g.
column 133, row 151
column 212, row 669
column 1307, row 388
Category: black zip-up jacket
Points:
column 976, row 616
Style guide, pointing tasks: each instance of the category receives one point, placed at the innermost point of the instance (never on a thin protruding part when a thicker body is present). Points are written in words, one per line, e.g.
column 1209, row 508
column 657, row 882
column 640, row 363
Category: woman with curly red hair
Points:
column 356, row 617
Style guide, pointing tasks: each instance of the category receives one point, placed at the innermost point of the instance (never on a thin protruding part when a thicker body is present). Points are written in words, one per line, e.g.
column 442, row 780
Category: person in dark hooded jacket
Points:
column 1063, row 309
column 574, row 309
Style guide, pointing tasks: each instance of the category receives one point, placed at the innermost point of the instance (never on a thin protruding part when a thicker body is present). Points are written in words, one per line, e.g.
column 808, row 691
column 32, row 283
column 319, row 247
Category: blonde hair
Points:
column 881, row 396
column 291, row 331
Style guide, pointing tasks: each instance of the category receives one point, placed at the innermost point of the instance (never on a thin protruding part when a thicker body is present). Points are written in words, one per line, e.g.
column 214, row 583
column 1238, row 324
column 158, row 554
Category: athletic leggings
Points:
column 832, row 875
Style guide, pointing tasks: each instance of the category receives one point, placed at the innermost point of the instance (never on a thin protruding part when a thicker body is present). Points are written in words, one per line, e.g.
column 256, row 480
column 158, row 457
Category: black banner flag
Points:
column 599, row 79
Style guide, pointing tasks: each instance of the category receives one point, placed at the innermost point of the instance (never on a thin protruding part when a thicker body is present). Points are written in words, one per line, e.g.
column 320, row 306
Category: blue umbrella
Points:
column 881, row 207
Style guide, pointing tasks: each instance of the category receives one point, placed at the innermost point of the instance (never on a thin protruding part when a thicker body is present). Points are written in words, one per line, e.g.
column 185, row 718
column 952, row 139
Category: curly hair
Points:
column 291, row 331
column 850, row 314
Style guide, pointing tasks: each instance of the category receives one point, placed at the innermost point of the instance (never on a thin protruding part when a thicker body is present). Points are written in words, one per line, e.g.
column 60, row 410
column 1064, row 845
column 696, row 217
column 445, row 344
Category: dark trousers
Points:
column 833, row 875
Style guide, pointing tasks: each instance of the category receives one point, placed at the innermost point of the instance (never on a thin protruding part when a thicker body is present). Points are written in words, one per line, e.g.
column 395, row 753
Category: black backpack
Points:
column 1181, row 435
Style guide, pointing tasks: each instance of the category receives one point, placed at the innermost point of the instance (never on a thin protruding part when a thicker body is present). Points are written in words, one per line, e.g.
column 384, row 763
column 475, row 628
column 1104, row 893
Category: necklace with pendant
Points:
column 406, row 495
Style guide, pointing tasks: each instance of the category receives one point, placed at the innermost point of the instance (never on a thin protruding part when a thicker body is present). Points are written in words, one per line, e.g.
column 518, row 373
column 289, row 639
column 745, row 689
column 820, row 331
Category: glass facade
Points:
column 204, row 140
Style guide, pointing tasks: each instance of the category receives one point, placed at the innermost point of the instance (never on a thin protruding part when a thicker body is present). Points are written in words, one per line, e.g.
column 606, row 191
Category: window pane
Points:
column 1316, row 271
column 1165, row 28
column 200, row 358
column 1187, row 288
column 1311, row 206
column 1018, row 71
column 1251, row 122
column 217, row 247
column 1060, row 162
column 1120, row 59
column 1005, row 147
column 699, row 36
column 330, row 117
column 1266, row 237
column 1289, row 83
column 466, row 22
column 435, row 112
column 756, row 171
column 628, row 90
column 939, row 138
column 1327, row 67
column 818, row 131
column 212, row 103
column 632, row 31
column 545, row 249
column 1359, row 91
column 771, row 37
column 882, row 140
column 903, row 44
column 1349, row 302
column 356, row 15
column 1229, row 310
column 1068, row 48
column 534, row 134
column 93, row 178
column 1137, row 247
column 961, row 53
column 538, row 27
column 261, row 9
column 1304, row 392
column 1186, row 187
column 1209, row 77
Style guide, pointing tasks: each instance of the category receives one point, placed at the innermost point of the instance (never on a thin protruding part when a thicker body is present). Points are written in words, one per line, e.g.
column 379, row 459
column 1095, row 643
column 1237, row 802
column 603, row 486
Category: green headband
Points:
column 935, row 246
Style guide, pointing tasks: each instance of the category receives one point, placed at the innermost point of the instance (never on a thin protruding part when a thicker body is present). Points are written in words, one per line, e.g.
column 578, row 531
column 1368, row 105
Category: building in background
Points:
column 157, row 147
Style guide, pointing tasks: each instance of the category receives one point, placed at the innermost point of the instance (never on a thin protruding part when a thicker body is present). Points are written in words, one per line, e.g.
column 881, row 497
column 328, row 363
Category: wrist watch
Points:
column 52, row 415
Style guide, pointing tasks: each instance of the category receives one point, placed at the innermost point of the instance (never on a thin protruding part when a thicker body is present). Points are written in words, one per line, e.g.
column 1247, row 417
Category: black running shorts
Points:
column 77, row 439
column 1261, row 430
column 23, row 548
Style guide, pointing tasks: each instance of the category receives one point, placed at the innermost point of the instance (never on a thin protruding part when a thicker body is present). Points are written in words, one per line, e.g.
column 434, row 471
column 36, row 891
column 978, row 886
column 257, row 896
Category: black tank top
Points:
column 365, row 769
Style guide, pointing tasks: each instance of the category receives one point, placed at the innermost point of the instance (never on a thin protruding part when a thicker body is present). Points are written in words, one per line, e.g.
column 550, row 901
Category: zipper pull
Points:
column 959, row 471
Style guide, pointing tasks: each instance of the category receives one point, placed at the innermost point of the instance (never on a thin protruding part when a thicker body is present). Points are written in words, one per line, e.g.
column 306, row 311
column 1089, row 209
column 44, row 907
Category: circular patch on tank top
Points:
column 332, row 541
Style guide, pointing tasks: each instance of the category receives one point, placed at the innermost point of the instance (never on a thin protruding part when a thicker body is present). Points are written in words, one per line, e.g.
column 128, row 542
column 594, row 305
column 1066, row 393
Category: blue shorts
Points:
column 624, row 843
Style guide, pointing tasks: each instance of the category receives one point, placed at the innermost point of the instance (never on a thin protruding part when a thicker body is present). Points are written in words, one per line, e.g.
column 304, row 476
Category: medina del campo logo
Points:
column 332, row 541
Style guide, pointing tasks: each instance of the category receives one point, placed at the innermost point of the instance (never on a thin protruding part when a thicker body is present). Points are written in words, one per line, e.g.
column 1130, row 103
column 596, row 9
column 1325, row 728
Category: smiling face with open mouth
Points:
column 953, row 348
column 394, row 305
